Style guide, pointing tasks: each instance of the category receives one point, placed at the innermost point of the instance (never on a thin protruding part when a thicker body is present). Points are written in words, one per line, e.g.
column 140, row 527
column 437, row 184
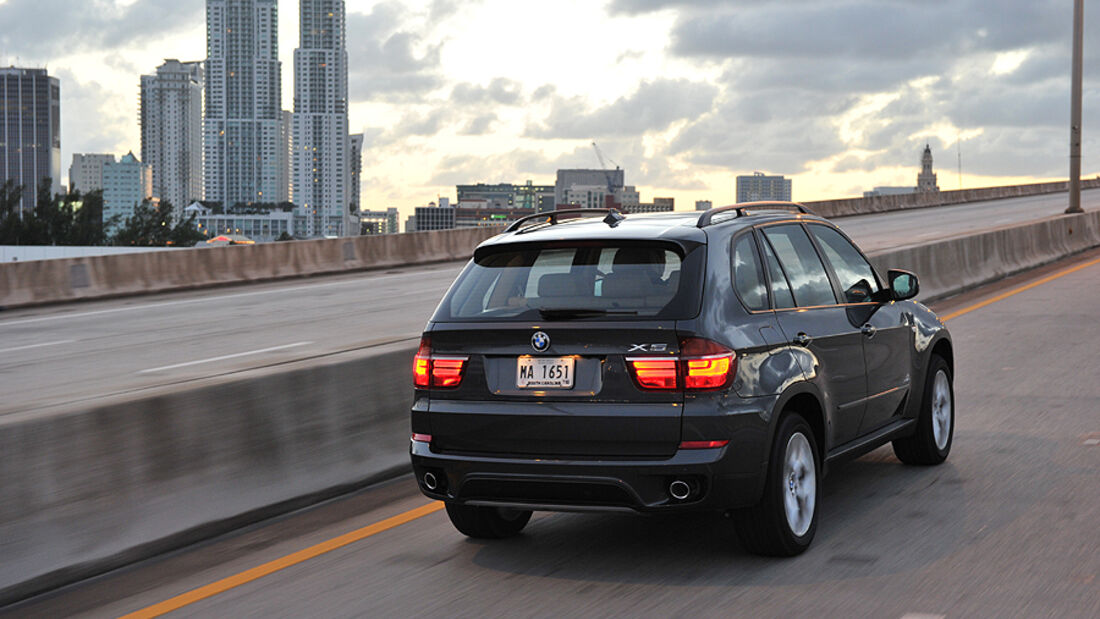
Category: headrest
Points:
column 560, row 285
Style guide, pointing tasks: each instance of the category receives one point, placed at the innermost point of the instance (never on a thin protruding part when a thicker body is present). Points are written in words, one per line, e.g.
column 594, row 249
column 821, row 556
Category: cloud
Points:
column 654, row 106
column 101, row 127
column 46, row 27
column 387, row 60
column 500, row 90
column 480, row 125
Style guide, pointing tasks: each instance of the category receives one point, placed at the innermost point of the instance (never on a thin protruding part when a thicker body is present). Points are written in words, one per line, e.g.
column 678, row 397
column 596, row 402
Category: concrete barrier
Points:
column 86, row 490
column 70, row 279
column 882, row 204
column 951, row 266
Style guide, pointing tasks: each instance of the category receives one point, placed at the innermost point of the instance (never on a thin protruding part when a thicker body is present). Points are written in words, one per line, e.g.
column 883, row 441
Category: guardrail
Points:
column 90, row 489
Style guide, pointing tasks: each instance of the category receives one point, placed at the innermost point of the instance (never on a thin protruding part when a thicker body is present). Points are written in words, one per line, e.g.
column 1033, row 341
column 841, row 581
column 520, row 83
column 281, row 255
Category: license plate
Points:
column 545, row 372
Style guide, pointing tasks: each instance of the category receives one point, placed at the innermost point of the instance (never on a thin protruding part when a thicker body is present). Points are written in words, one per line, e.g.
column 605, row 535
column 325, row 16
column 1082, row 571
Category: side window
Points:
column 856, row 276
column 748, row 277
column 781, row 288
column 809, row 281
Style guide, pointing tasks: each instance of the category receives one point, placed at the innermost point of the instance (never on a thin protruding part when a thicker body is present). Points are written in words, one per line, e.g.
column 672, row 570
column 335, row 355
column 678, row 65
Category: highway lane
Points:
column 80, row 352
column 1007, row 527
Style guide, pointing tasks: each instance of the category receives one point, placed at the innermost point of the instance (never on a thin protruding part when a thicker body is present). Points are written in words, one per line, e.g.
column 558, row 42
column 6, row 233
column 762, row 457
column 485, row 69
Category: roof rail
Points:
column 740, row 209
column 551, row 217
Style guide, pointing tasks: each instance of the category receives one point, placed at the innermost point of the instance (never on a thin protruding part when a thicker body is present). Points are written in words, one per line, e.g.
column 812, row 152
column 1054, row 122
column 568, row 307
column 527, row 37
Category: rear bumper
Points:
column 718, row 479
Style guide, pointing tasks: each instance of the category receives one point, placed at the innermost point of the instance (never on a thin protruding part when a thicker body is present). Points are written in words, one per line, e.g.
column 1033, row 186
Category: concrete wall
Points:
column 51, row 281
column 89, row 489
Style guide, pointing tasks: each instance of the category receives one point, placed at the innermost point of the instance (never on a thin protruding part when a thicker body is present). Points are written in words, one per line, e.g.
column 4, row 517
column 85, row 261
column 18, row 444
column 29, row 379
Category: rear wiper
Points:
column 565, row 313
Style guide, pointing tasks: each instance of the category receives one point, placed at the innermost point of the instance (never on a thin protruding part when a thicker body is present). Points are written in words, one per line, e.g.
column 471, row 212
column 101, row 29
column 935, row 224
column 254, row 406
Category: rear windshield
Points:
column 591, row 282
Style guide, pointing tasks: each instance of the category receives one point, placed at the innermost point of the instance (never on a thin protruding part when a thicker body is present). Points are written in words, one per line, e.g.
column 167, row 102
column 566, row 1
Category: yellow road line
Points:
column 306, row 554
column 1018, row 290
column 281, row 563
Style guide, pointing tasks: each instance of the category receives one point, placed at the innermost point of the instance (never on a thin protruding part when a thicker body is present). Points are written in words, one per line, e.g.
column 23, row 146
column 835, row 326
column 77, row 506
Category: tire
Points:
column 487, row 522
column 784, row 522
column 931, row 442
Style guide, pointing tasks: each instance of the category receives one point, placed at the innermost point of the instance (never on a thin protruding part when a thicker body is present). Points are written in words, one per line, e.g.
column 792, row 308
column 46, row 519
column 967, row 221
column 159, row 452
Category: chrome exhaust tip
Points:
column 679, row 490
column 430, row 481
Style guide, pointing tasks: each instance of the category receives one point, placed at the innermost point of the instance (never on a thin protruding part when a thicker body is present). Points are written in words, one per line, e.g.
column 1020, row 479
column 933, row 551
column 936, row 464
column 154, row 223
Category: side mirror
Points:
column 903, row 284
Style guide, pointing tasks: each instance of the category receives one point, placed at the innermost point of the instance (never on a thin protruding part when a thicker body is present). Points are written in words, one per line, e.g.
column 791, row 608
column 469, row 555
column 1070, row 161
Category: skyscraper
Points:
column 355, row 146
column 30, row 131
column 243, row 128
column 171, row 131
column 322, row 167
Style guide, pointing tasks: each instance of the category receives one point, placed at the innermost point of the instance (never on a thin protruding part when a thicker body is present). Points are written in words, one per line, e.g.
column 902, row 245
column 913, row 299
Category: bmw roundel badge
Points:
column 540, row 342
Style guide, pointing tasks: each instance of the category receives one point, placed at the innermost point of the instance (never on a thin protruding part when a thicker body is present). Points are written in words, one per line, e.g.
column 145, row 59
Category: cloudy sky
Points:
column 841, row 95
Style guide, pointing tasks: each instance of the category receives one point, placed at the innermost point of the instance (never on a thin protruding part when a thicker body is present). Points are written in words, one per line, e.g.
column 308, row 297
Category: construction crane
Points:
column 607, row 174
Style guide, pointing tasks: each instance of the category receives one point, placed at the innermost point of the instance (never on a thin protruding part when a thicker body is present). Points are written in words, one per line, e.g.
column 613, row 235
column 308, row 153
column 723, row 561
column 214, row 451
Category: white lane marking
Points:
column 922, row 616
column 224, row 357
column 43, row 344
column 223, row 297
column 1092, row 442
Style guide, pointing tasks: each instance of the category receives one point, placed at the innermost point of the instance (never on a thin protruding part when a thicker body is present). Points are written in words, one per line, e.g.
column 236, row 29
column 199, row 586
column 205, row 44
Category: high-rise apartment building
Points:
column 243, row 129
column 171, row 131
column 321, row 166
column 30, row 131
column 126, row 184
column 760, row 187
column 86, row 172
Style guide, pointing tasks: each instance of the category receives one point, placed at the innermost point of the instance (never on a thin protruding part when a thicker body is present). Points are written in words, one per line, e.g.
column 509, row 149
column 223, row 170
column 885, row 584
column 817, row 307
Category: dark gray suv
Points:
column 681, row 361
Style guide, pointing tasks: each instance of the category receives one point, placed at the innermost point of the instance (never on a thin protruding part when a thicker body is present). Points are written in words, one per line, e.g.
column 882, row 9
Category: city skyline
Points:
column 688, row 95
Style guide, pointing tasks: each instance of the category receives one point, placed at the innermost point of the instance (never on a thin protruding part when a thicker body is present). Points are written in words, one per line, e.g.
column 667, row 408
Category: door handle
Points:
column 802, row 339
column 868, row 330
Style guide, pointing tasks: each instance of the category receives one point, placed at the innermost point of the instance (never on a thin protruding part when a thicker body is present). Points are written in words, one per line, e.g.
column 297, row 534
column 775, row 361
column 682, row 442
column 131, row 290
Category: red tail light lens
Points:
column 422, row 364
column 423, row 438
column 654, row 373
column 447, row 371
column 702, row 365
column 436, row 372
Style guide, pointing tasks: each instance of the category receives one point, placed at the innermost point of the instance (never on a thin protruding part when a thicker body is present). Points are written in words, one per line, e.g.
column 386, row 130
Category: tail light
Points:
column 701, row 365
column 436, row 372
column 655, row 373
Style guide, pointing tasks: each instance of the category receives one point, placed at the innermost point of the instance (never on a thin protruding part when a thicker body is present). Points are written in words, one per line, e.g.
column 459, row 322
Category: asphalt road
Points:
column 1007, row 527
column 71, row 354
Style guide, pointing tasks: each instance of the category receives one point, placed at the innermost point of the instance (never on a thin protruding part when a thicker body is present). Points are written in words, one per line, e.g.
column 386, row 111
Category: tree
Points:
column 152, row 226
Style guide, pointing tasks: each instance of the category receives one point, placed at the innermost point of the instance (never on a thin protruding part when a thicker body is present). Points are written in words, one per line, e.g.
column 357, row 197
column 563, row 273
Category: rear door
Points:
column 817, row 323
column 547, row 331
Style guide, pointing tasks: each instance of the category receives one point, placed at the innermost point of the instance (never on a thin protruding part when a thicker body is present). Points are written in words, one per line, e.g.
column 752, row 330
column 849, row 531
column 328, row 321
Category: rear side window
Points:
column 781, row 289
column 856, row 276
column 805, row 272
column 593, row 281
column 748, row 276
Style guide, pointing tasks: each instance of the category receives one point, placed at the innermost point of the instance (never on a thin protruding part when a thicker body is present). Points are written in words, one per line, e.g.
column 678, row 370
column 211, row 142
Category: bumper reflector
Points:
column 703, row 444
